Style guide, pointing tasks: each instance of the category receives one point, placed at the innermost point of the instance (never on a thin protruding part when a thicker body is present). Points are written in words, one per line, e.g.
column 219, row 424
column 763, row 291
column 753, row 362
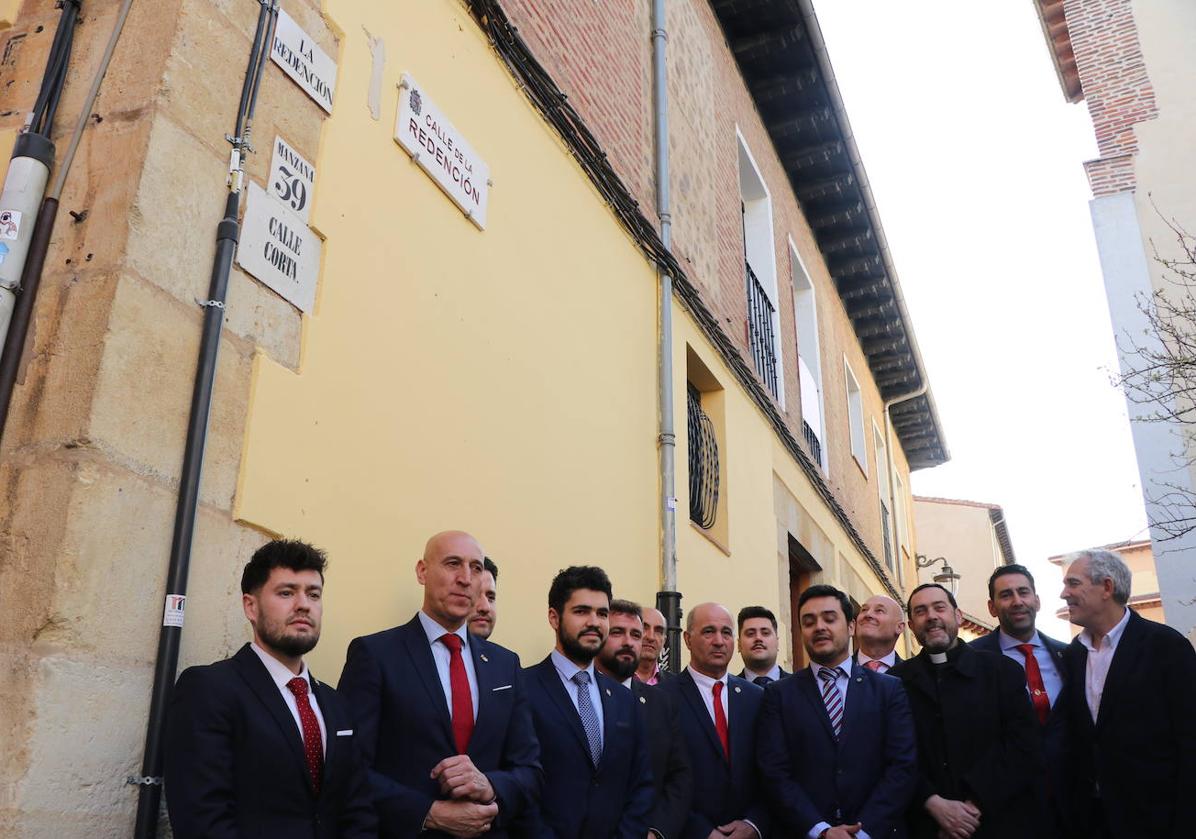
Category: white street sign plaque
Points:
column 279, row 249
column 303, row 60
column 292, row 179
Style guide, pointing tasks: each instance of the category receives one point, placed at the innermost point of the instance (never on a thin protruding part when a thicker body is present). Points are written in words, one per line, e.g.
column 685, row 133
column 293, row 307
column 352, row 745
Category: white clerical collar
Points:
column 938, row 658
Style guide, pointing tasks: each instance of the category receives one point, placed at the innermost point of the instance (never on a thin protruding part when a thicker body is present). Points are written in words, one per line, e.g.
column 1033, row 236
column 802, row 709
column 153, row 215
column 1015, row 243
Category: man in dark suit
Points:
column 255, row 746
column 718, row 719
column 485, row 609
column 1129, row 690
column 1014, row 602
column 672, row 777
column 597, row 773
column 979, row 749
column 758, row 646
column 879, row 626
column 655, row 637
column 836, row 751
column 442, row 716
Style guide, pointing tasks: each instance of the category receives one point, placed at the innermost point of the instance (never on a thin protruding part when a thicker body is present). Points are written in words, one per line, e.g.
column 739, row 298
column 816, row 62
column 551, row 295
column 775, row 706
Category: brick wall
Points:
column 1116, row 87
column 610, row 85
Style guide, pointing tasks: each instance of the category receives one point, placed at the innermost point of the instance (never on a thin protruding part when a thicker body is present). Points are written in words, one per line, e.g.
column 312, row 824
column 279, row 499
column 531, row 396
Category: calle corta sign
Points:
column 438, row 148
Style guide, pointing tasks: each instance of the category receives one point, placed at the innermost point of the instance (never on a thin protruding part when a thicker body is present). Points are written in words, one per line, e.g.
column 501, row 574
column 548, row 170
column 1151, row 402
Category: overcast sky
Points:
column 975, row 161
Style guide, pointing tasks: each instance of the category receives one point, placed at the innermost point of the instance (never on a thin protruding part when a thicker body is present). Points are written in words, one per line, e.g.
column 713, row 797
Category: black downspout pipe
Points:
column 669, row 604
column 228, row 232
column 149, row 798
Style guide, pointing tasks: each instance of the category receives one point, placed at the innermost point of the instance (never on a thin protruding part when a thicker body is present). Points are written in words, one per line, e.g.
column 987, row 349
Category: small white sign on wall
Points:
column 292, row 179
column 440, row 150
column 302, row 59
column 279, row 249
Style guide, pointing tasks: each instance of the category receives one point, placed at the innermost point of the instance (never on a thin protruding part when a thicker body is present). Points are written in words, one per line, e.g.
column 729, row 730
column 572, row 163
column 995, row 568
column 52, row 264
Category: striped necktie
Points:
column 831, row 697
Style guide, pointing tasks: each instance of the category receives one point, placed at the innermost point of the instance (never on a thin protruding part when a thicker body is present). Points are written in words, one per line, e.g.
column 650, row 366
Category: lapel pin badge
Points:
column 483, row 657
column 608, row 691
column 643, row 701
column 737, row 688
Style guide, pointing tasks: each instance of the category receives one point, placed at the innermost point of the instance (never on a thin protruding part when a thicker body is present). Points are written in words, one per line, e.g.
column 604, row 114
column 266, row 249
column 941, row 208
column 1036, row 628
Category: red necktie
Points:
column 462, row 698
column 874, row 665
column 313, row 749
column 720, row 720
column 1038, row 694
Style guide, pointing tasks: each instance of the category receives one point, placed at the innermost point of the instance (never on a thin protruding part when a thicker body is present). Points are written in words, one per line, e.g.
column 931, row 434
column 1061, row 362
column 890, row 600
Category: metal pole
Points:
column 668, row 599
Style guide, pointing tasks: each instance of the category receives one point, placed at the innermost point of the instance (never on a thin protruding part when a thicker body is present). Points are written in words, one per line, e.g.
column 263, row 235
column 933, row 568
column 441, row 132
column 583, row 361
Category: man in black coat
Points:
column 1014, row 602
column 255, row 746
column 672, row 776
column 1131, row 688
column 758, row 646
column 979, row 749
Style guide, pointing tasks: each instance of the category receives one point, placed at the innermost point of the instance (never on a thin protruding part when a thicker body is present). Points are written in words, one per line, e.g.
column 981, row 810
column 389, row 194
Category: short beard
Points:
column 617, row 667
column 573, row 649
column 289, row 645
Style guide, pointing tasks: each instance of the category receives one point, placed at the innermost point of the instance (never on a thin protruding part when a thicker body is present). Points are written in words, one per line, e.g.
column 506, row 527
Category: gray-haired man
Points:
column 1130, row 683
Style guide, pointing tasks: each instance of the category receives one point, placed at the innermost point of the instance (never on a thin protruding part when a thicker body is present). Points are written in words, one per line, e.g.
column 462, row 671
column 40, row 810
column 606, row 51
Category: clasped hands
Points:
column 471, row 808
column 956, row 819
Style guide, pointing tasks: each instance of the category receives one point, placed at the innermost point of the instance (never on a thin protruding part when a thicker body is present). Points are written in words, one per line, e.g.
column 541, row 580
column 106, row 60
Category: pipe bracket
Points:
column 217, row 304
column 666, row 439
column 143, row 781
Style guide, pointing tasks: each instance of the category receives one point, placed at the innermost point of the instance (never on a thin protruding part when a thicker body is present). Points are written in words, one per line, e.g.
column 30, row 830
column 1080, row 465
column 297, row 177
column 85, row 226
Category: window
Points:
column 855, row 418
column 703, row 463
column 882, row 488
column 760, row 275
column 809, row 359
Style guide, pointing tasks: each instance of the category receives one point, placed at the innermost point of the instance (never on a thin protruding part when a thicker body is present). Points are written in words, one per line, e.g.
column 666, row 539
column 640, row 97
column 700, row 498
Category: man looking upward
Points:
column 878, row 627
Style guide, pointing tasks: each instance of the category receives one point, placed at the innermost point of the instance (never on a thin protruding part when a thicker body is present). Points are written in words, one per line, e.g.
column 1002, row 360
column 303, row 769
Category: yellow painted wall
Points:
column 500, row 381
column 8, row 12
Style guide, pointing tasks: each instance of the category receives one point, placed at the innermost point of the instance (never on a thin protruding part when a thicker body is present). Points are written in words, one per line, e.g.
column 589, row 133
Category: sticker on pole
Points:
column 173, row 614
column 10, row 224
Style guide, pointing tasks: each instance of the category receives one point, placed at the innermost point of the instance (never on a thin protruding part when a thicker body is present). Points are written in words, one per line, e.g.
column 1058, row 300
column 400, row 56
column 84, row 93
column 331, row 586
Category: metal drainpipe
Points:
column 228, row 231
column 897, row 400
column 668, row 599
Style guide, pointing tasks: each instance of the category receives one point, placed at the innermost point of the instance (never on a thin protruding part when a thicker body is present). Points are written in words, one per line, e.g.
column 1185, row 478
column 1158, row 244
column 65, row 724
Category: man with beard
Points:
column 1013, row 601
column 442, row 716
column 718, row 719
column 878, row 627
column 758, row 646
column 835, row 742
column 979, row 751
column 255, row 746
column 655, row 635
column 485, row 608
column 1129, row 686
column 672, row 778
column 597, row 776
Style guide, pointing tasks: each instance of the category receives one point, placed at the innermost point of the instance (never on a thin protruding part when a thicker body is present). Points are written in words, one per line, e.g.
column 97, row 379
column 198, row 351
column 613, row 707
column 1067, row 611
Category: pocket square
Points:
column 504, row 687
column 345, row 732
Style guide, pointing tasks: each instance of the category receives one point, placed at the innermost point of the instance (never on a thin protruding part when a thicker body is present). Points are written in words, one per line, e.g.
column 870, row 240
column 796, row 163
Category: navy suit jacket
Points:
column 1141, row 751
column 723, row 792
column 404, row 726
column 235, row 765
column 867, row 775
column 580, row 801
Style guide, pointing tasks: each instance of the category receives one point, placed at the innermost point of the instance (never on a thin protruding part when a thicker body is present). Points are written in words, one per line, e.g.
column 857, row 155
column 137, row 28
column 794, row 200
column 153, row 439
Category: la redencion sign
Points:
column 440, row 150
column 279, row 249
column 303, row 60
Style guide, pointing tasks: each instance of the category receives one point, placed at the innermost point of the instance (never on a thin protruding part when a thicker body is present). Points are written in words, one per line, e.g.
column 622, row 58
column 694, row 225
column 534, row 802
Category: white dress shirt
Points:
column 1099, row 661
column 566, row 669
column 706, row 691
column 774, row 674
column 842, row 681
column 281, row 675
column 886, row 661
column 1051, row 680
column 443, row 657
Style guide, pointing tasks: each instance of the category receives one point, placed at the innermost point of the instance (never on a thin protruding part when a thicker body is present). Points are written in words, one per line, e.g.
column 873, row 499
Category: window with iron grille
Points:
column 703, row 463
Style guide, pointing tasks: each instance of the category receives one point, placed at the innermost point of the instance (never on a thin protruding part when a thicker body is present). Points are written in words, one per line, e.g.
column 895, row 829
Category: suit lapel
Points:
column 859, row 696
column 605, row 694
column 332, row 724
column 415, row 640
column 808, row 689
column 258, row 678
column 697, row 705
column 483, row 669
column 551, row 680
column 740, row 735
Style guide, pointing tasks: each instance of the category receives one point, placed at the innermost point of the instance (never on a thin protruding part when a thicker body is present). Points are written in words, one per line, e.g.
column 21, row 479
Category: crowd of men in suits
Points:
column 436, row 730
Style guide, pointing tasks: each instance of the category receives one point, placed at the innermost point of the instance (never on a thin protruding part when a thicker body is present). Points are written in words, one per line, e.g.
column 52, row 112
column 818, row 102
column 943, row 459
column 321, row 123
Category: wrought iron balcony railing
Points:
column 761, row 337
column 703, row 464
column 812, row 441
